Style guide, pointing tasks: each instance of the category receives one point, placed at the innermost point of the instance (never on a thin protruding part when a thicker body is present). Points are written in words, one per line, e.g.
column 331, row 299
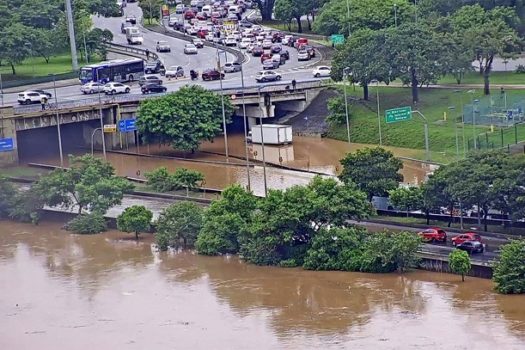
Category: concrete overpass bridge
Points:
column 27, row 130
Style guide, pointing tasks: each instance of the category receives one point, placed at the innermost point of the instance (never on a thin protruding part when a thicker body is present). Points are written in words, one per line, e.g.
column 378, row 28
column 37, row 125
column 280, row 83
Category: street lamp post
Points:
column 345, row 76
column 245, row 130
column 262, row 143
column 395, row 15
column 452, row 108
column 222, row 104
column 1, row 90
column 460, row 92
column 378, row 111
column 475, row 102
column 102, row 126
column 58, row 124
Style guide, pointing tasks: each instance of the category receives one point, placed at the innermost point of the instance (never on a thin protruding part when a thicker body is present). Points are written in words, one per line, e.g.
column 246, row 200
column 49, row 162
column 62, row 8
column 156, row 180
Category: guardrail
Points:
column 130, row 49
column 281, row 87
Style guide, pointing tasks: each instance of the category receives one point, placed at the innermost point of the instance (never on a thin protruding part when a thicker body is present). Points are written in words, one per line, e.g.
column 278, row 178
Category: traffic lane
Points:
column 445, row 251
column 492, row 243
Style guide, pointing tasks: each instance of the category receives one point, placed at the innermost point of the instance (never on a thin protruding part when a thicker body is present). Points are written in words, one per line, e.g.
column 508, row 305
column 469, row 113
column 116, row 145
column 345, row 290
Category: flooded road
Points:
column 305, row 155
column 63, row 291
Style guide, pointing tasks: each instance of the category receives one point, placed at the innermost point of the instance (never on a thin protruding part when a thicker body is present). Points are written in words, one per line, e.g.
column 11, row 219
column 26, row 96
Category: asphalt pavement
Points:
column 206, row 58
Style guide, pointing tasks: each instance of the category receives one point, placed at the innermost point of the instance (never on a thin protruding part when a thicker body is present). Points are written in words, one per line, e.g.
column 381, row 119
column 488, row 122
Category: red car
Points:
column 433, row 234
column 201, row 16
column 464, row 237
column 266, row 56
column 189, row 15
column 201, row 33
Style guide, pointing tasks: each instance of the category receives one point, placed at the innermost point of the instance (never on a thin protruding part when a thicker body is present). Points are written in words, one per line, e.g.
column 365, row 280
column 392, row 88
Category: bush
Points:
column 135, row 219
column 7, row 194
column 520, row 69
column 160, row 180
column 459, row 262
column 219, row 234
column 87, row 224
column 179, row 225
column 509, row 270
column 26, row 206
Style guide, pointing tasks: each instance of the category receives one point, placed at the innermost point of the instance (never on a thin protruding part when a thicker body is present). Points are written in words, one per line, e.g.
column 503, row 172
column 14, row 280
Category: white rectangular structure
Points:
column 272, row 134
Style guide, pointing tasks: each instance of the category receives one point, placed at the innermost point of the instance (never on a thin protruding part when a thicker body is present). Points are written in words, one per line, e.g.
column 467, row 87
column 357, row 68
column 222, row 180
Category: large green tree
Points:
column 375, row 171
column 178, row 225
column 288, row 10
column 509, row 270
column 459, row 262
column 406, row 198
column 184, row 118
column 151, row 9
column 265, row 8
column 135, row 219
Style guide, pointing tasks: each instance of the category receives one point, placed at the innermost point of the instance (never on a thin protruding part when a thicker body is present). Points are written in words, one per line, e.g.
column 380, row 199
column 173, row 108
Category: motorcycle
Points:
column 194, row 75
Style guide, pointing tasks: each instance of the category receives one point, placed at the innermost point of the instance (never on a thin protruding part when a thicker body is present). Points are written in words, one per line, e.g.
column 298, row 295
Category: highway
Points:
column 206, row 58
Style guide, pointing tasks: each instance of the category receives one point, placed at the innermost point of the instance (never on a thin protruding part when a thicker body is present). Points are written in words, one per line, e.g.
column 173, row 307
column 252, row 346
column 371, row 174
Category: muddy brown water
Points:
column 306, row 153
column 63, row 291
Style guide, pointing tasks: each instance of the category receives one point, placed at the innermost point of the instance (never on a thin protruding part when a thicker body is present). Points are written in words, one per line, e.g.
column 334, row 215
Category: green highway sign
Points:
column 398, row 114
column 337, row 39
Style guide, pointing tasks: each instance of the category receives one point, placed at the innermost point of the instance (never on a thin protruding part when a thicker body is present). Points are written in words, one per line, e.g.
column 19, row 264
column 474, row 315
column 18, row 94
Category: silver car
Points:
column 190, row 49
column 270, row 64
column 92, row 88
column 232, row 67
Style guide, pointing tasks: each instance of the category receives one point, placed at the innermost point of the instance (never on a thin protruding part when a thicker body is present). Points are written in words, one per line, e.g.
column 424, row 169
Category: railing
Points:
column 129, row 49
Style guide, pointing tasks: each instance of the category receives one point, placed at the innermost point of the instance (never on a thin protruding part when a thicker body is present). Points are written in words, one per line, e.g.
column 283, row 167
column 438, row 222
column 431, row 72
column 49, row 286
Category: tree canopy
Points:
column 135, row 219
column 509, row 270
column 459, row 262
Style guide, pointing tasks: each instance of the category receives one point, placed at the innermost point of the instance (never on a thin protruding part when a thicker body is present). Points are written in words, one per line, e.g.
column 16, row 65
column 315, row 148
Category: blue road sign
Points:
column 126, row 125
column 6, row 145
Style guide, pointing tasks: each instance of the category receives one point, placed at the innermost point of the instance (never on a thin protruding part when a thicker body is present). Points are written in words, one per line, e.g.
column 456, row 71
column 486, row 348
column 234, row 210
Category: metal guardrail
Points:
column 131, row 49
column 281, row 87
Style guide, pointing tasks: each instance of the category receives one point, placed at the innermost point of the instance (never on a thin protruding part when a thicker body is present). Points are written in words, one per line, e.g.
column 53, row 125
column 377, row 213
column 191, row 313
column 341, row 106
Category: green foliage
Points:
column 459, row 262
column 87, row 224
column 160, row 180
column 373, row 170
column 183, row 118
column 337, row 110
column 410, row 198
column 509, row 270
column 135, row 219
column 187, row 178
column 26, row 206
column 7, row 194
column 178, row 225
column 151, row 9
column 90, row 183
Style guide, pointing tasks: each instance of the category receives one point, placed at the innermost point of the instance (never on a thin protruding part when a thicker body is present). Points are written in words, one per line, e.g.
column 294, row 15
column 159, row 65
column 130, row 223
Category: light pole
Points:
column 348, row 15
column 378, row 111
column 222, row 104
column 93, row 136
column 102, row 126
column 245, row 130
column 262, row 143
column 395, row 15
column 1, row 90
column 474, row 123
column 345, row 77
column 452, row 108
column 460, row 92
column 58, row 124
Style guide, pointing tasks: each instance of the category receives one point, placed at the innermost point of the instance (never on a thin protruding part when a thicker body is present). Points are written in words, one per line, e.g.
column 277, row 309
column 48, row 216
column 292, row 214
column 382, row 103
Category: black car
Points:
column 257, row 51
column 154, row 67
column 212, row 74
column 131, row 19
column 285, row 54
column 471, row 247
column 152, row 88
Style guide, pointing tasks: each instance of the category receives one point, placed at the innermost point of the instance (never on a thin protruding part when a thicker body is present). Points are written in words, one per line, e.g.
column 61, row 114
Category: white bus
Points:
column 114, row 70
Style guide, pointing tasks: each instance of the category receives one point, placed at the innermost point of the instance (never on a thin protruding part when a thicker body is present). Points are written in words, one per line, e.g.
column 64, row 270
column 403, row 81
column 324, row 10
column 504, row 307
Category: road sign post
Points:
column 110, row 128
column 337, row 39
column 126, row 125
column 398, row 114
column 6, row 145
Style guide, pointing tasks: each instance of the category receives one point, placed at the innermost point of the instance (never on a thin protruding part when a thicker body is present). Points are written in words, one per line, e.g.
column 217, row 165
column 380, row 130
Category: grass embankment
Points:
column 37, row 67
column 23, row 172
column 410, row 134
column 504, row 78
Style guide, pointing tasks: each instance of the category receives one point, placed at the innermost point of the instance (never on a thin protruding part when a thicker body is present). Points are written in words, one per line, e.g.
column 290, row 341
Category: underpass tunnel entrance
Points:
column 40, row 144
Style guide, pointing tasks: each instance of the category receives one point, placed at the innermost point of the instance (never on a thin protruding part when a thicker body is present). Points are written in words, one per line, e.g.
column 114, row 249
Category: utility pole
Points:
column 71, row 30
column 345, row 77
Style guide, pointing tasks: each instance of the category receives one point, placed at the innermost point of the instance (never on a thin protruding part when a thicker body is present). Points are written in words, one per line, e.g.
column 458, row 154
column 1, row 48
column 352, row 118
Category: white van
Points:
column 234, row 9
column 207, row 10
column 134, row 36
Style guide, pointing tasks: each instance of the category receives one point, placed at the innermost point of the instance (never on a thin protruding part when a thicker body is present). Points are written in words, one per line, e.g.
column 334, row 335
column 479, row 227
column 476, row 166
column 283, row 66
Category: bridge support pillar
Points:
column 8, row 155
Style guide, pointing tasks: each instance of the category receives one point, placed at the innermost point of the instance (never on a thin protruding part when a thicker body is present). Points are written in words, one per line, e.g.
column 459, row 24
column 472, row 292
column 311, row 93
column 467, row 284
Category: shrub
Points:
column 219, row 234
column 520, row 69
column 135, row 219
column 87, row 224
column 459, row 262
column 179, row 225
column 509, row 270
column 160, row 180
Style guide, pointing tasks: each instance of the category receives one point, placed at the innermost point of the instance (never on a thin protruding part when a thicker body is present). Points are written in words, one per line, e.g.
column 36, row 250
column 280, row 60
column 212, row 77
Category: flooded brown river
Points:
column 63, row 291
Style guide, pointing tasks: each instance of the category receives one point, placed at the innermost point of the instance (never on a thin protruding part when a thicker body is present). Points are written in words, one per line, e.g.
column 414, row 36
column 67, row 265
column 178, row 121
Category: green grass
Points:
column 284, row 27
column 410, row 134
column 37, row 67
column 508, row 78
column 22, row 172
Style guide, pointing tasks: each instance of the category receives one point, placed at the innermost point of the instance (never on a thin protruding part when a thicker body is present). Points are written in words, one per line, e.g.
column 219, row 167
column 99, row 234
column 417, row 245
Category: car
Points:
column 179, row 9
column 91, row 88
column 201, row 33
column 198, row 43
column 232, row 17
column 245, row 23
column 125, row 25
column 249, row 48
column 230, row 41
column 322, row 71
column 257, row 51
column 265, row 56
column 150, row 79
column 174, row 72
column 276, row 48
column 190, row 49
column 265, row 76
column 163, row 46
column 309, row 49
column 201, row 16
column 303, row 55
column 191, row 30
column 232, row 67
column 244, row 43
column 286, row 54
column 286, row 40
column 212, row 74
column 277, row 37
column 299, row 42
column 150, row 88
column 270, row 64
column 433, row 234
column 278, row 58
column 116, row 88
column 189, row 15
column 173, row 20
column 131, row 19
column 267, row 44
column 30, row 96
column 471, row 247
column 43, row 92
column 154, row 67
column 464, row 237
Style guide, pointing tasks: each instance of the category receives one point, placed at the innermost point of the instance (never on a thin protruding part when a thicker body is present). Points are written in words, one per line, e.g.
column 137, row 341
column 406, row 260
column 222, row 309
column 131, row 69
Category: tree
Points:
column 337, row 111
column 151, row 9
column 7, row 193
column 265, row 8
column 160, row 180
column 286, row 10
column 187, row 178
column 96, row 40
column 367, row 58
column 373, row 170
column 13, row 45
column 183, row 118
column 178, row 223
column 87, row 223
column 135, row 219
column 486, row 34
column 509, row 270
column 406, row 198
column 90, row 183
column 459, row 263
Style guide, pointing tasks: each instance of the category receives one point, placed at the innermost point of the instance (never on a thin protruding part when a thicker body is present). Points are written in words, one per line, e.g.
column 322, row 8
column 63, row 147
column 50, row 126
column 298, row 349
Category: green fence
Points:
column 500, row 138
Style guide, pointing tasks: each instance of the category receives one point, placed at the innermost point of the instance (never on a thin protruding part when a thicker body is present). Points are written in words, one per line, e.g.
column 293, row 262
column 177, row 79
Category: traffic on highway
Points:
column 196, row 56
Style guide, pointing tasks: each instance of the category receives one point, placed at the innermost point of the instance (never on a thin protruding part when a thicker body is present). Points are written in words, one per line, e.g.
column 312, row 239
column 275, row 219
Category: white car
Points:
column 116, row 88
column 265, row 76
column 191, row 30
column 174, row 72
column 91, row 88
column 303, row 55
column 190, row 49
column 245, row 42
column 322, row 71
column 286, row 39
column 267, row 44
column 250, row 47
column 230, row 41
column 28, row 97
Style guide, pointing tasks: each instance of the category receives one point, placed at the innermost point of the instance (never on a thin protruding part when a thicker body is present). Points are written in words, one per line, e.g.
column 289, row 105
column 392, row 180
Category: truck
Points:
column 134, row 36
column 272, row 134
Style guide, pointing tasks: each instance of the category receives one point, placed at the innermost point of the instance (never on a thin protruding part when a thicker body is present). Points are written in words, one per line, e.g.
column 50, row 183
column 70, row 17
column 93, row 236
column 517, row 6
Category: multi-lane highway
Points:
column 206, row 58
